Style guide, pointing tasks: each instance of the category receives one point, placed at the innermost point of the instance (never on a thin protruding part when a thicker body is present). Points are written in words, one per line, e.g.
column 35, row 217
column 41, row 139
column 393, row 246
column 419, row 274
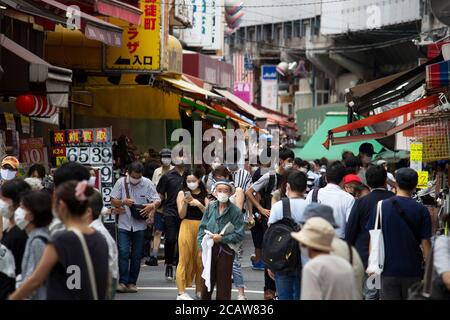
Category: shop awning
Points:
column 94, row 28
column 57, row 79
column 378, row 118
column 237, row 118
column 119, row 9
column 242, row 105
column 190, row 88
column 313, row 149
column 369, row 96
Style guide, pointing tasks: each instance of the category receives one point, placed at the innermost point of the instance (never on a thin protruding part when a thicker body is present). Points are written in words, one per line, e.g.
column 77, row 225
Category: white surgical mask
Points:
column 166, row 161
column 134, row 181
column 8, row 174
column 192, row 185
column 4, row 209
column 19, row 217
column 222, row 197
column 288, row 166
column 215, row 165
column 92, row 181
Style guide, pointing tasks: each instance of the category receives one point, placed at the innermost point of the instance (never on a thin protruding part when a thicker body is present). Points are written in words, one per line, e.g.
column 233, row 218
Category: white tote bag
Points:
column 376, row 256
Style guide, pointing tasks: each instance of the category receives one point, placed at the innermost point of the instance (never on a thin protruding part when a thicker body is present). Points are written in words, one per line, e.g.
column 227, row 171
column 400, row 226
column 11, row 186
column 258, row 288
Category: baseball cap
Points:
column 317, row 233
column 352, row 178
column 367, row 148
column 165, row 153
column 12, row 161
column 319, row 210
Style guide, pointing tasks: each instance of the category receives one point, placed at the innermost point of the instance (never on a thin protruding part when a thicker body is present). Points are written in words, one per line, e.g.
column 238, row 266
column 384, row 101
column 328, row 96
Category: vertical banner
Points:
column 269, row 87
column 416, row 155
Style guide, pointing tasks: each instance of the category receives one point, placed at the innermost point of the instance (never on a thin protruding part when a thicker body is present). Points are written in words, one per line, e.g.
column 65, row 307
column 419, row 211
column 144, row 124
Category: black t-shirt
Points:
column 70, row 256
column 169, row 185
column 16, row 240
column 194, row 213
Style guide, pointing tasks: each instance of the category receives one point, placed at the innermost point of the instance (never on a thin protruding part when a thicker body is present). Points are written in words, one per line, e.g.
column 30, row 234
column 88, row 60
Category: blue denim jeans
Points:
column 134, row 242
column 238, row 278
column 288, row 285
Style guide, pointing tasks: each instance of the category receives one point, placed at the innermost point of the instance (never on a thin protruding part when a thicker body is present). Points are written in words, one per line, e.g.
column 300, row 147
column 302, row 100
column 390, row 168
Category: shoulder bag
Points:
column 376, row 254
column 135, row 209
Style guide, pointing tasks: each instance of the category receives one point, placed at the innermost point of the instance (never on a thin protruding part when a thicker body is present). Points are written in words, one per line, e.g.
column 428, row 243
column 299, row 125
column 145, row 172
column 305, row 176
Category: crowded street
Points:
column 241, row 151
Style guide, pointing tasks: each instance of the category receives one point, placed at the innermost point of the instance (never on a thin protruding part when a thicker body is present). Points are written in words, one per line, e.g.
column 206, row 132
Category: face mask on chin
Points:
column 8, row 174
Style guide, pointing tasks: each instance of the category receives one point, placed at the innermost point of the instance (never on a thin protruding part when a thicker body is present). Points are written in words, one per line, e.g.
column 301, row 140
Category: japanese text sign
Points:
column 142, row 45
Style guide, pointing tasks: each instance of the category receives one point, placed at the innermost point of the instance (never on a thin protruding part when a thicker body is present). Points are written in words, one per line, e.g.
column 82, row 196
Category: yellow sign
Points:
column 60, row 161
column 141, row 49
column 423, row 180
column 416, row 152
column 10, row 122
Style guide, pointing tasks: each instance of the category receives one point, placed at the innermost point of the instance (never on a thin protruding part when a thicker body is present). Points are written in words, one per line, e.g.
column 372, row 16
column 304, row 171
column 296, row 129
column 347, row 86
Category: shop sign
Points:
column 90, row 147
column 243, row 90
column 416, row 156
column 423, row 180
column 32, row 151
column 183, row 12
column 269, row 86
column 142, row 45
column 25, row 123
column 10, row 122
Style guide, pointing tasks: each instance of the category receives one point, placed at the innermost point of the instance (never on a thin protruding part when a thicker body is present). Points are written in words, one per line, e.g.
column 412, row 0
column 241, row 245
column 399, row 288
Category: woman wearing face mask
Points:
column 191, row 202
column 10, row 166
column 78, row 246
column 34, row 216
column 222, row 226
column 13, row 237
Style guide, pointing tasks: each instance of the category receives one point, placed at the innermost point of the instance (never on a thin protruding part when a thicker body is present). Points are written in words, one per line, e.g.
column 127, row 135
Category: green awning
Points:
column 314, row 148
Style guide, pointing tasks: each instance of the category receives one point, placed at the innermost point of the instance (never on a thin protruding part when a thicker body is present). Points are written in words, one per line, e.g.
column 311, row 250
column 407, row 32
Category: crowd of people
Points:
column 54, row 244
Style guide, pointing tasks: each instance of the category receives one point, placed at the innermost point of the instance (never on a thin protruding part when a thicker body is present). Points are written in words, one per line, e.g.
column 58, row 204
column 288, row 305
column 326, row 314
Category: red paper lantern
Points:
column 34, row 106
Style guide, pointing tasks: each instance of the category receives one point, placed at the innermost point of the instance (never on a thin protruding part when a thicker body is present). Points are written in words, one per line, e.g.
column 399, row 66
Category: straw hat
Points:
column 317, row 233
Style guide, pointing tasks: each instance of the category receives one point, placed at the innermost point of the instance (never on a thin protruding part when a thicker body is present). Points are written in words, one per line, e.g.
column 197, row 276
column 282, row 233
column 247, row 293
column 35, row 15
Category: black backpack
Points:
column 281, row 252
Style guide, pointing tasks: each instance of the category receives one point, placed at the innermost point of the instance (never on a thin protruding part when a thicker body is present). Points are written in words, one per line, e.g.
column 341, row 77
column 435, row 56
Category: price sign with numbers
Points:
column 423, row 180
column 92, row 148
column 416, row 151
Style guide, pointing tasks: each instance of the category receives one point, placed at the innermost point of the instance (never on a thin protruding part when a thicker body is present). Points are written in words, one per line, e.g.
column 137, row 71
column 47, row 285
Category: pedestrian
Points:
column 158, row 226
column 340, row 247
column 78, row 248
column 332, row 195
column 9, row 169
column 406, row 227
column 322, row 182
column 168, row 187
column 222, row 226
column 67, row 172
column 325, row 276
column 137, row 193
column 191, row 202
column 94, row 219
column 265, row 186
column 14, row 238
column 356, row 233
column 34, row 216
column 391, row 183
column 288, row 283
column 351, row 184
column 347, row 154
column 442, row 261
column 37, row 170
column 352, row 164
column 210, row 179
column 366, row 153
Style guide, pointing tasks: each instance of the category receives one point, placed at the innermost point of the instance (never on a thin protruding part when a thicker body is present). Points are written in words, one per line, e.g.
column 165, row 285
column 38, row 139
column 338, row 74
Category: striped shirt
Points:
column 242, row 179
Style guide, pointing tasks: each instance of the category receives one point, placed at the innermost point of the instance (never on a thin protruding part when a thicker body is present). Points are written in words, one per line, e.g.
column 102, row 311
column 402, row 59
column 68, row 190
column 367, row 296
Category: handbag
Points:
column 376, row 255
column 135, row 209
column 87, row 258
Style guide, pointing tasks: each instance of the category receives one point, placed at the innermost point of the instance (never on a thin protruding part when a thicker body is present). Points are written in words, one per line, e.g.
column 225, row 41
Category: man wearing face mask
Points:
column 265, row 186
column 366, row 153
column 168, row 187
column 134, row 189
column 158, row 226
column 10, row 167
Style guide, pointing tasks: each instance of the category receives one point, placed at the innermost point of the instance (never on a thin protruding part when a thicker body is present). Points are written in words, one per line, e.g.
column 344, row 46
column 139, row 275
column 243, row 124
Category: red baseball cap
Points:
column 352, row 178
